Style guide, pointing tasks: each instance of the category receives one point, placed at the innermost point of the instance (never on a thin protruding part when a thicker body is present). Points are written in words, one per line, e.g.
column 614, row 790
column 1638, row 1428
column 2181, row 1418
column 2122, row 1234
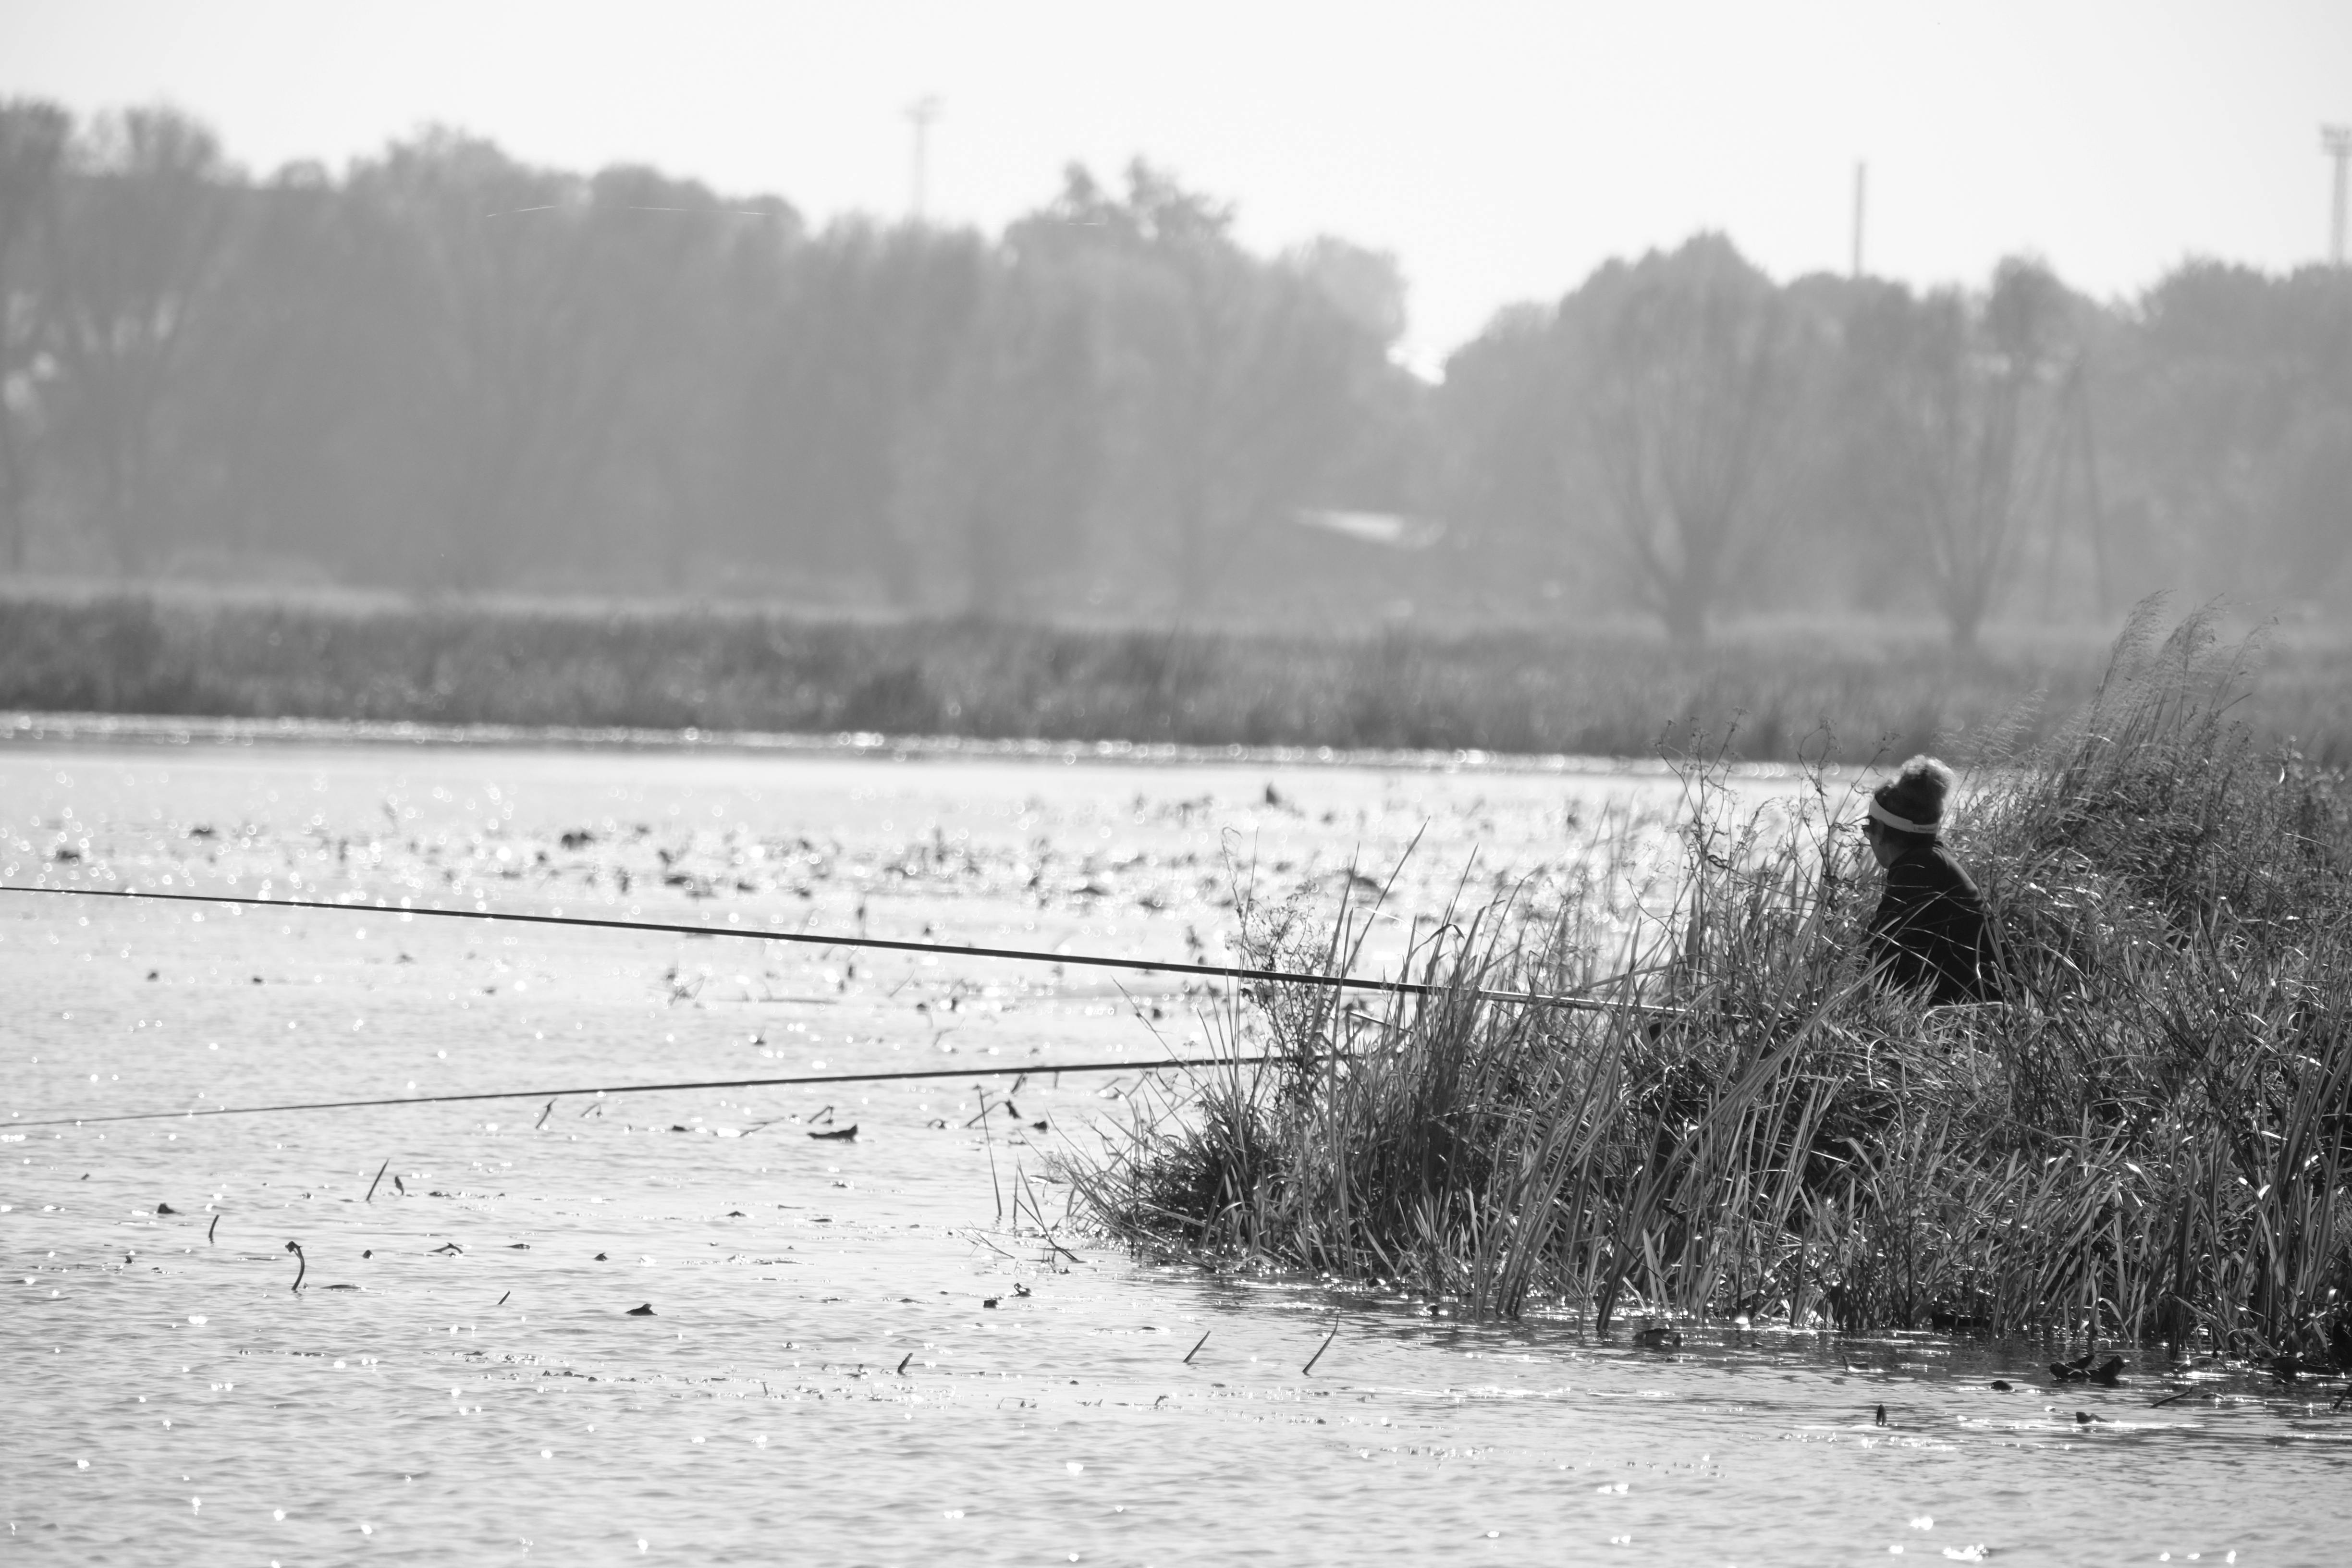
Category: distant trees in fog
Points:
column 32, row 144
column 445, row 370
column 1686, row 382
column 1975, row 401
column 1952, row 454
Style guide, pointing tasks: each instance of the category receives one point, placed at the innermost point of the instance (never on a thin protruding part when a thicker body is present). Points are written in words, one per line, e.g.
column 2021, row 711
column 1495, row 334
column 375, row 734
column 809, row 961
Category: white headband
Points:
column 1900, row 823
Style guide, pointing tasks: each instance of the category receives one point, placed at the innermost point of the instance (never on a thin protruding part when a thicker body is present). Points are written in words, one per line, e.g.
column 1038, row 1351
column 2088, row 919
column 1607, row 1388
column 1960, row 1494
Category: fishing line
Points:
column 1033, row 1068
column 891, row 944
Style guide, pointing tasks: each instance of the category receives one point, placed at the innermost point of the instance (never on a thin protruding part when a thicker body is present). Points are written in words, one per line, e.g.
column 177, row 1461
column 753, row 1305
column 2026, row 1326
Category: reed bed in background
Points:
column 1602, row 693
column 2146, row 1139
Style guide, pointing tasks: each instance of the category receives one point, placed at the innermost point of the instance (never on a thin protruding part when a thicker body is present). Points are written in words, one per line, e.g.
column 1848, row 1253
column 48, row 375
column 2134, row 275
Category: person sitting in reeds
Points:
column 1929, row 931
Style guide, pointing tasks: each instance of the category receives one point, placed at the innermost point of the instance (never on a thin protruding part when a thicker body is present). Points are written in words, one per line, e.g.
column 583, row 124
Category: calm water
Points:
column 859, row 1350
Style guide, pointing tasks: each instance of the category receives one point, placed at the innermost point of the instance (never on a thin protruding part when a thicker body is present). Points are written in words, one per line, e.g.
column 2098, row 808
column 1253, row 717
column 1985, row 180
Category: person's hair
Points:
column 1912, row 802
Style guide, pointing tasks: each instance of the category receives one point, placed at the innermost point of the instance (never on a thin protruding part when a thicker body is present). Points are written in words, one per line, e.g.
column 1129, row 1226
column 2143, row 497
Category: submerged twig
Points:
column 1308, row 1370
column 981, row 1237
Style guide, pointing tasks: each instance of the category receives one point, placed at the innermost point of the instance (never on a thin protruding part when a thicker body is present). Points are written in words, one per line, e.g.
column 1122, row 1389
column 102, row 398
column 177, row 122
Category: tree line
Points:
column 448, row 371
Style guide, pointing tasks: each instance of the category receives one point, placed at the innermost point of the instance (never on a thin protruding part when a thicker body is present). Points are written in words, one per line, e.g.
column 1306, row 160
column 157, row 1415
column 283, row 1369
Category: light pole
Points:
column 2336, row 140
column 1861, row 199
column 920, row 114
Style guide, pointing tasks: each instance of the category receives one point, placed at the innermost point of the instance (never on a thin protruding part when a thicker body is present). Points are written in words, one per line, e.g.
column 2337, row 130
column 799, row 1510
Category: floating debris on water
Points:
column 865, row 1276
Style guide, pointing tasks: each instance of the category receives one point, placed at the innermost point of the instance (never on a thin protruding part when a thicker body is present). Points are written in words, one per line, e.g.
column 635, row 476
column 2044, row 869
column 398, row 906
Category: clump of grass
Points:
column 2146, row 1138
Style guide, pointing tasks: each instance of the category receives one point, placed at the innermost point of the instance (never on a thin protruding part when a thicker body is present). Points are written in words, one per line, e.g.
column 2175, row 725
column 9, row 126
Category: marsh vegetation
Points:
column 2147, row 1137
column 1611, row 690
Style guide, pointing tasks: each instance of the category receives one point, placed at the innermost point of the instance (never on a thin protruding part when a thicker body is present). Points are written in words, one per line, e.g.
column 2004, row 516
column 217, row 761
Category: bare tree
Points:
column 858, row 344
column 33, row 137
column 137, row 247
column 537, row 301
column 1009, row 456
column 1235, row 379
column 1975, row 402
column 1686, row 371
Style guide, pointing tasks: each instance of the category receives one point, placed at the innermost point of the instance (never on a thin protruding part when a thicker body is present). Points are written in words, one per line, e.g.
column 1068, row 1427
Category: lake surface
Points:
column 867, row 1350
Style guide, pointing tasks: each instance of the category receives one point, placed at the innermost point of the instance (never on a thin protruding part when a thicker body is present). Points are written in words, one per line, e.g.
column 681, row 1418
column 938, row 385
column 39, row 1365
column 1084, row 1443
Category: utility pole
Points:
column 2336, row 140
column 920, row 114
column 1860, row 201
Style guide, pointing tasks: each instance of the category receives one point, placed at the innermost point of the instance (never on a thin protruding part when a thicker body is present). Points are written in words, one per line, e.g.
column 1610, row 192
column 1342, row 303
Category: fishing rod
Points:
column 975, row 1070
column 1575, row 1002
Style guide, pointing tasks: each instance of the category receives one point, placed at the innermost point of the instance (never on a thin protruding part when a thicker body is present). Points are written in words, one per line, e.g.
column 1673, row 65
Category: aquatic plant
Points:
column 2146, row 1137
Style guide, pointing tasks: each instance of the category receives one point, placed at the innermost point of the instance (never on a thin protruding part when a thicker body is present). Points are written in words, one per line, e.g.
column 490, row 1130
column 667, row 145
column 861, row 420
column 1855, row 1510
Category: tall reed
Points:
column 2146, row 1137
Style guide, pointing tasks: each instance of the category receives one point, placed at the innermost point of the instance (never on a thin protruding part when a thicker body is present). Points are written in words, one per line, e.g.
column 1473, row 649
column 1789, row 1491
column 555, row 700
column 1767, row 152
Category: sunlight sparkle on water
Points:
column 790, row 1277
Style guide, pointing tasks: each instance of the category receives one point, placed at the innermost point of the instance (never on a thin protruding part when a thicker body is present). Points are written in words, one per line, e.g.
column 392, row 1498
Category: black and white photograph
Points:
column 1060, row 782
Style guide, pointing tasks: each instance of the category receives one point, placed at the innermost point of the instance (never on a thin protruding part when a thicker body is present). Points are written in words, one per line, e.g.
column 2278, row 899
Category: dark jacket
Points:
column 1929, row 931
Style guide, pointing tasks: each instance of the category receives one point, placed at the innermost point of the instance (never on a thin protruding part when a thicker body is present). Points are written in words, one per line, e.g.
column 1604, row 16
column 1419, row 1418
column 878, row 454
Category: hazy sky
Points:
column 1500, row 151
